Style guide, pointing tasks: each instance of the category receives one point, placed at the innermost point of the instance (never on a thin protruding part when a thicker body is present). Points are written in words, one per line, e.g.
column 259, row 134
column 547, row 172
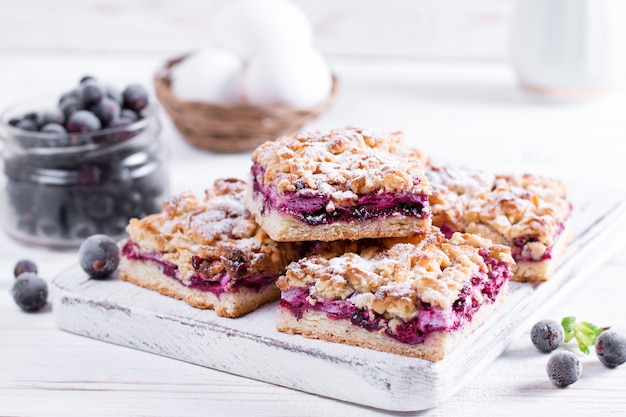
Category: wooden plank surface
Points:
column 121, row 313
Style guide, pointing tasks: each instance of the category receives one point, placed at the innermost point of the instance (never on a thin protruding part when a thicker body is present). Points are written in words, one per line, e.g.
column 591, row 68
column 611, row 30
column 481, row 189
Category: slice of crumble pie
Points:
column 206, row 251
column 418, row 296
column 342, row 184
column 528, row 213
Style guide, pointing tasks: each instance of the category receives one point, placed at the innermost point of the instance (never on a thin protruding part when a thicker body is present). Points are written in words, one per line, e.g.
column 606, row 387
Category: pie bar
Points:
column 206, row 251
column 529, row 213
column 341, row 184
column 418, row 296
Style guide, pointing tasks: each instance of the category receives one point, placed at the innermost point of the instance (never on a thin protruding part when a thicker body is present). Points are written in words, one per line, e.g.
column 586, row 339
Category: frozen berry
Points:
column 27, row 124
column 106, row 110
column 87, row 78
column 564, row 368
column 135, row 97
column 547, row 335
column 83, row 121
column 50, row 116
column 70, row 105
column 30, row 291
column 611, row 348
column 91, row 92
column 53, row 128
column 114, row 93
column 24, row 265
column 99, row 256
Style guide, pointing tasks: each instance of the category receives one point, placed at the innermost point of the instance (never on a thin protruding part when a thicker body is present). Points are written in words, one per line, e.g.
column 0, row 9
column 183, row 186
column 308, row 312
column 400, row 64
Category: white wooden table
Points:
column 467, row 111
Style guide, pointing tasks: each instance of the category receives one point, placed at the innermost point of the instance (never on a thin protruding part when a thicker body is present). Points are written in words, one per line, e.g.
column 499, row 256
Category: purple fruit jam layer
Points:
column 414, row 331
column 521, row 255
column 222, row 283
column 310, row 207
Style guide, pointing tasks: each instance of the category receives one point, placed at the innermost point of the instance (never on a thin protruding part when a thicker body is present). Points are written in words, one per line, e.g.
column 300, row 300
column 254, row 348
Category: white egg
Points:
column 244, row 26
column 286, row 74
column 209, row 75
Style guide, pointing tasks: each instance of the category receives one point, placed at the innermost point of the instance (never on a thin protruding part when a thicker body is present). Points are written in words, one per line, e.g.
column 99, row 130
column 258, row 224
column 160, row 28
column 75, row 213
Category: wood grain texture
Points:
column 121, row 313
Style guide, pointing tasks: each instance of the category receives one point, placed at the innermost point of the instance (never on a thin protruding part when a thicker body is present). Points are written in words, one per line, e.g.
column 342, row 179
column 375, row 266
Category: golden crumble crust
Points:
column 215, row 228
column 521, row 206
column 393, row 276
column 503, row 208
column 342, row 164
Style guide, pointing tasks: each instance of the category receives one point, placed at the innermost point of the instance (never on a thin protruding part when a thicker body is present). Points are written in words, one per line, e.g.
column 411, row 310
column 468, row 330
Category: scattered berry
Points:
column 611, row 348
column 547, row 335
column 564, row 368
column 24, row 265
column 30, row 291
column 99, row 256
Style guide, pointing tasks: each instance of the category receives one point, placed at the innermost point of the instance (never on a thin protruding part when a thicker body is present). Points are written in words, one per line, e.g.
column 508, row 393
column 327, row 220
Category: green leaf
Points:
column 584, row 332
column 568, row 323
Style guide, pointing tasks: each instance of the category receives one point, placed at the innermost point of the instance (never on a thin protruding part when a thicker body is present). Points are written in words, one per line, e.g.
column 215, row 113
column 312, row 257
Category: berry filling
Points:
column 415, row 330
column 521, row 252
column 219, row 284
column 312, row 207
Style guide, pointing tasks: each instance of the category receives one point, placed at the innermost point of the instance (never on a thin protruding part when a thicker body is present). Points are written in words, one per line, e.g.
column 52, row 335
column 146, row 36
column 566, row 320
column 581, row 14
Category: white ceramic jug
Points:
column 569, row 48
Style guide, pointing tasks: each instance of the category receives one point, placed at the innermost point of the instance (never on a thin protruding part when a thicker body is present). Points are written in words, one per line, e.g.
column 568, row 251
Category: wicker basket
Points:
column 235, row 128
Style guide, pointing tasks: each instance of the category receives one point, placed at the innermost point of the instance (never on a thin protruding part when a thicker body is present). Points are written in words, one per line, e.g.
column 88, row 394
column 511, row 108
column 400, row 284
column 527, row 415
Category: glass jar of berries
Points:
column 71, row 174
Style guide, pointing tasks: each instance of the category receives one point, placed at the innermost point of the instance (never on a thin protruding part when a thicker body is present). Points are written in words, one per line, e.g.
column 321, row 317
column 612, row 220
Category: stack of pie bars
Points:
column 364, row 240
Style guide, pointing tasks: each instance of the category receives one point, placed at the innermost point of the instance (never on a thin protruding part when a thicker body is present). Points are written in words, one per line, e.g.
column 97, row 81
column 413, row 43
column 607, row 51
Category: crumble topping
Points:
column 525, row 210
column 395, row 276
column 216, row 229
column 342, row 164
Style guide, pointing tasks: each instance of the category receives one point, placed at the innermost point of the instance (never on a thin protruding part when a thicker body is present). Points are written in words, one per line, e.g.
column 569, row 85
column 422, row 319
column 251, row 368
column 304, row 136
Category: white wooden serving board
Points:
column 119, row 312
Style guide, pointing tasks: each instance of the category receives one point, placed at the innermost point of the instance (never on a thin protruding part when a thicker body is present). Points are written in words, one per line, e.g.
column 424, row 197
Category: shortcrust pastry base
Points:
column 286, row 228
column 439, row 344
column 150, row 276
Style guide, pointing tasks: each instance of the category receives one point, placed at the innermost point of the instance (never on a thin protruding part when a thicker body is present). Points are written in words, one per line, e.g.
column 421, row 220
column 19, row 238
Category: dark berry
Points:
column 31, row 116
column 547, row 335
column 70, row 105
column 27, row 124
column 106, row 110
column 564, row 368
column 87, row 78
column 14, row 121
column 114, row 94
column 48, row 226
column 611, row 348
column 55, row 116
column 91, row 92
column 30, row 291
column 129, row 205
column 116, row 226
column 135, row 97
column 82, row 228
column 56, row 135
column 53, row 128
column 24, row 265
column 99, row 256
column 83, row 121
column 99, row 206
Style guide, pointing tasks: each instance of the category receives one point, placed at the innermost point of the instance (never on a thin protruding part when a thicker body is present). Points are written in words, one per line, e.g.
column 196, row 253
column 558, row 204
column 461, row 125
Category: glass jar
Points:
column 61, row 188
